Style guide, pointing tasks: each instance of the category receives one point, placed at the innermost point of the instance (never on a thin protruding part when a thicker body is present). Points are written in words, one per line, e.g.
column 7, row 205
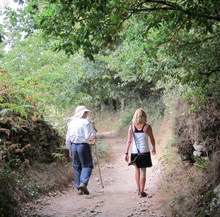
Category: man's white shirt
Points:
column 79, row 131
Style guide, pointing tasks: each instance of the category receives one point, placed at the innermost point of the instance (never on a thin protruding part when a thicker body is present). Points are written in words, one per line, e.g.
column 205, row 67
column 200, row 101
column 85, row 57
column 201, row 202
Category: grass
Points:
column 106, row 121
column 102, row 150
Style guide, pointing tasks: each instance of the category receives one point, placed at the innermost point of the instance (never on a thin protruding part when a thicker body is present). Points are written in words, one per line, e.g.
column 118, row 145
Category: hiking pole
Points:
column 93, row 142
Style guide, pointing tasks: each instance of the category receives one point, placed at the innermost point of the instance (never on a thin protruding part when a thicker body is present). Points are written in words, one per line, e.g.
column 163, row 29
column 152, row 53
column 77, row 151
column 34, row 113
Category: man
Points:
column 78, row 136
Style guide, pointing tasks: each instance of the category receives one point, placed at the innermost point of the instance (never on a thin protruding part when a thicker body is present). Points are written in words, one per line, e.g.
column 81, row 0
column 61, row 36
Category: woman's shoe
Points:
column 143, row 194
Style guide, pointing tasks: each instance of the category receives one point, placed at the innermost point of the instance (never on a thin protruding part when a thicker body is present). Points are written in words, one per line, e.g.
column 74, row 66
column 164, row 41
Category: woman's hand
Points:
column 126, row 158
column 153, row 151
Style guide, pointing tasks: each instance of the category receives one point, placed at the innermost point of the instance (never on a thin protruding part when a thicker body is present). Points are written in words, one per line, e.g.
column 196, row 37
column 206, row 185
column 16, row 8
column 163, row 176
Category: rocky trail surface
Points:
column 117, row 198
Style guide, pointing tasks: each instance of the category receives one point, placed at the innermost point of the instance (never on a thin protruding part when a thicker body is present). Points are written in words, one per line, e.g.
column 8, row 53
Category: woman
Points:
column 141, row 131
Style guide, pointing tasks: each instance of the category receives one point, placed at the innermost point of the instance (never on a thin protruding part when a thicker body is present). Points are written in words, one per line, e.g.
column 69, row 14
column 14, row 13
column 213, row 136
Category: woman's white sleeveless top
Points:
column 142, row 142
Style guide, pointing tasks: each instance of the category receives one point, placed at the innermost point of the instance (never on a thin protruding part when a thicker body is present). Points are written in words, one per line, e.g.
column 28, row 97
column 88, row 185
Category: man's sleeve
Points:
column 68, row 142
column 89, row 132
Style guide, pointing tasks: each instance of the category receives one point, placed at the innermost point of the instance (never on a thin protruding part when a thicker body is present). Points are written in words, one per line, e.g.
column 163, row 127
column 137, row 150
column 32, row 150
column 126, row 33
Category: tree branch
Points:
column 150, row 9
column 217, row 69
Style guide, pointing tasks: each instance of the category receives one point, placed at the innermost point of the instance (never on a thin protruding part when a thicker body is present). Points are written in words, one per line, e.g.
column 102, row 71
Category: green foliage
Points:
column 7, row 175
column 92, row 25
column 31, row 85
column 4, row 204
column 3, row 112
column 152, row 105
column 127, row 116
column 201, row 164
column 15, row 108
column 62, row 147
column 213, row 196
column 55, row 79
column 20, row 94
column 29, row 187
column 139, row 51
column 190, row 178
column 7, row 178
column 57, row 155
column 102, row 150
column 144, row 49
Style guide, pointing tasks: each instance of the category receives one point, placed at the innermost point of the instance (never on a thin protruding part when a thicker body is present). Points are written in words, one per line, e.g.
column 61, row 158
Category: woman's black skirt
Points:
column 145, row 160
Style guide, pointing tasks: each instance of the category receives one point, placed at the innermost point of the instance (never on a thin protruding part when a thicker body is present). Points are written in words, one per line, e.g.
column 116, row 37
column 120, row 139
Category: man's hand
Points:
column 70, row 154
column 93, row 125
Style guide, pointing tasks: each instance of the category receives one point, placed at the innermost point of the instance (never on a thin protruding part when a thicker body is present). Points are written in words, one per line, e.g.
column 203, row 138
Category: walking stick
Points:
column 97, row 157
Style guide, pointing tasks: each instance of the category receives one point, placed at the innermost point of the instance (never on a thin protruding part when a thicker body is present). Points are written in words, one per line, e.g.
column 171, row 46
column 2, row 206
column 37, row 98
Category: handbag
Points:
column 136, row 161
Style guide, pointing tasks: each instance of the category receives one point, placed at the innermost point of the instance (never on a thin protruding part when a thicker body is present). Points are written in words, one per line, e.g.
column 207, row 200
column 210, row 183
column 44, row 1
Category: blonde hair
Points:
column 140, row 117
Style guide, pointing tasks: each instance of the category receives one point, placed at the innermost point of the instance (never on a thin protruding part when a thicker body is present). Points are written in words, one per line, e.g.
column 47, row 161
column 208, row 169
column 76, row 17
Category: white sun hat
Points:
column 80, row 111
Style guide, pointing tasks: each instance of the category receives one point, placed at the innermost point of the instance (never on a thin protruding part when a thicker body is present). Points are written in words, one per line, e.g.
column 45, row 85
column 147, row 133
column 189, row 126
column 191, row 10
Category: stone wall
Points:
column 29, row 139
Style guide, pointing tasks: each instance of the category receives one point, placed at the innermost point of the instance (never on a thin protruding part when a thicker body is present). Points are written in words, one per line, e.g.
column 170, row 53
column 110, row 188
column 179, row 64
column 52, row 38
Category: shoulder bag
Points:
column 135, row 162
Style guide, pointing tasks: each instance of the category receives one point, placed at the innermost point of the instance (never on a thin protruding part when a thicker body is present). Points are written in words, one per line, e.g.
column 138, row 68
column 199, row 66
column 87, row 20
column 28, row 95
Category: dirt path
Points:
column 119, row 196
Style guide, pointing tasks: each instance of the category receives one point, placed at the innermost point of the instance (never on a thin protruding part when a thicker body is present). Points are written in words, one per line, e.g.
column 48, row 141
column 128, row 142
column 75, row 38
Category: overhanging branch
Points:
column 217, row 69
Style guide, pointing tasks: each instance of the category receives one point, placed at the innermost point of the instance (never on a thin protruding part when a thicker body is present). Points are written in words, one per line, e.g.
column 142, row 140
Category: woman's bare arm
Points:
column 150, row 134
column 128, row 144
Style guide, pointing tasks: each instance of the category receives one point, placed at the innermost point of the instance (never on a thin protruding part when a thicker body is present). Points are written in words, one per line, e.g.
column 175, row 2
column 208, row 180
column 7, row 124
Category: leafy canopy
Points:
column 135, row 42
column 94, row 24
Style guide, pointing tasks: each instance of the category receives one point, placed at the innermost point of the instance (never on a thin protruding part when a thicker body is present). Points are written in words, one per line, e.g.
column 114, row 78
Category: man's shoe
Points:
column 83, row 188
column 80, row 192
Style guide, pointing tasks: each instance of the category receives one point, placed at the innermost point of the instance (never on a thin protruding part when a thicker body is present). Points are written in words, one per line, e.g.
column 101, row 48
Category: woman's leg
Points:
column 137, row 177
column 142, row 179
column 142, row 184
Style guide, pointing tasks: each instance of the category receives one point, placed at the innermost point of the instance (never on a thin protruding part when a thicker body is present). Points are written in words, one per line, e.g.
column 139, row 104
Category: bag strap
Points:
column 146, row 128
column 134, row 139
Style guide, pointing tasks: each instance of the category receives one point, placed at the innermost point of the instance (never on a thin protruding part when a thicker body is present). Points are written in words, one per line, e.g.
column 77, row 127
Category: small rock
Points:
column 92, row 210
column 101, row 201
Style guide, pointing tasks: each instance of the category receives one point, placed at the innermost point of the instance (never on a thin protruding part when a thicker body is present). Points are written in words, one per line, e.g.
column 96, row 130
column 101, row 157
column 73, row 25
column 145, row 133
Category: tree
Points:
column 93, row 24
column 25, row 75
column 175, row 38
column 191, row 58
